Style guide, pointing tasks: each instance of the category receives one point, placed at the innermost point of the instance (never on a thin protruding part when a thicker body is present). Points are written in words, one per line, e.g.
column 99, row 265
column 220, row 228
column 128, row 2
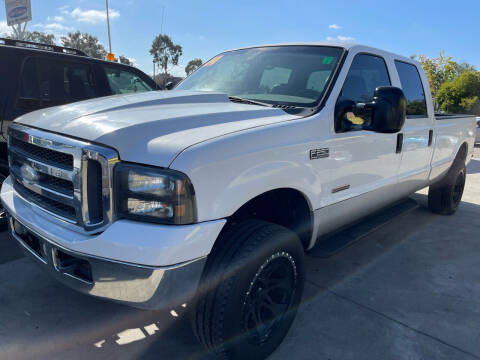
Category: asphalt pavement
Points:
column 408, row 290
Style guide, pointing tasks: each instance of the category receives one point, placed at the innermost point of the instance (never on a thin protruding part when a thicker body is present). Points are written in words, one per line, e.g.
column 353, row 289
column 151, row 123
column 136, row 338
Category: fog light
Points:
column 19, row 228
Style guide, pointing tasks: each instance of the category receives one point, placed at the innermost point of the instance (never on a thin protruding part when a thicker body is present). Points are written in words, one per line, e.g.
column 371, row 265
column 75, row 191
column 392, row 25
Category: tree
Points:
column 439, row 70
column 461, row 95
column 86, row 43
column 35, row 36
column 193, row 65
column 124, row 60
column 40, row 37
column 165, row 52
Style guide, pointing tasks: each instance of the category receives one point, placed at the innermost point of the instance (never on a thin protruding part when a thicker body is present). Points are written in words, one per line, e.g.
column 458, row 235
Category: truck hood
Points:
column 153, row 127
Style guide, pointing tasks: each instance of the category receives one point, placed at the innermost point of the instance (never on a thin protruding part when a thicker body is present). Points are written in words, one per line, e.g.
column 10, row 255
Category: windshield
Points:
column 277, row 75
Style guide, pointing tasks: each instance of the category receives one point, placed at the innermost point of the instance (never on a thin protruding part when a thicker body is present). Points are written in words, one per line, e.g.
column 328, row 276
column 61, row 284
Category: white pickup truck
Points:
column 211, row 193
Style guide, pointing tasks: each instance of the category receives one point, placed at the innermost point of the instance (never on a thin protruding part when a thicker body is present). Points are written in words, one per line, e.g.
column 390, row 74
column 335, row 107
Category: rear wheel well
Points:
column 285, row 207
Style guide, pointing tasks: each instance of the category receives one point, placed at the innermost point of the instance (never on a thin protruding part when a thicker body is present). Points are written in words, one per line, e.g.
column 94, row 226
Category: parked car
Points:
column 36, row 76
column 210, row 194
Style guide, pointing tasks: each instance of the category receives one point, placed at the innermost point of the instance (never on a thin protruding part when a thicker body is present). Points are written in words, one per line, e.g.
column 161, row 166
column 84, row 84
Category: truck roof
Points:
column 344, row 45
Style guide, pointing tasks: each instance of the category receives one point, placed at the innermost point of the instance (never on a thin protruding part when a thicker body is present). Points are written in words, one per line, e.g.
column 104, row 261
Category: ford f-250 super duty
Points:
column 210, row 194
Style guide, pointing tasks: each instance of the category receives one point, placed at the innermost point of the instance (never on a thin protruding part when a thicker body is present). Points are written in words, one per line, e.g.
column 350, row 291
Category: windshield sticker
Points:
column 327, row 60
column 214, row 60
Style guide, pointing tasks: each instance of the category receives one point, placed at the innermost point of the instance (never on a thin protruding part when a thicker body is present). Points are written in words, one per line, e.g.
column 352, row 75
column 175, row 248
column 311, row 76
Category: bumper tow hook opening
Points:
column 72, row 266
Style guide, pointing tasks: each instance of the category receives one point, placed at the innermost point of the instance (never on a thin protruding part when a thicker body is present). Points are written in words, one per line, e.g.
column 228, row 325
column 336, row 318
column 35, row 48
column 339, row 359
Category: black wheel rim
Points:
column 458, row 188
column 269, row 297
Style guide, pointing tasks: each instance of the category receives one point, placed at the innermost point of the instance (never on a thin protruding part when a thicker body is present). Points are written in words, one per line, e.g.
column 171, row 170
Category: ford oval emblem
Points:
column 29, row 173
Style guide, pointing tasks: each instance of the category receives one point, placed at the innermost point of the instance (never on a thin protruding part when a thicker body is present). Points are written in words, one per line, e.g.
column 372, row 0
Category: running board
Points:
column 333, row 243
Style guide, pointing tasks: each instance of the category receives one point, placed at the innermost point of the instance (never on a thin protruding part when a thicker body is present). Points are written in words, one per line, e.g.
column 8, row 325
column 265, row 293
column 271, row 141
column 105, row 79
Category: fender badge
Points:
column 319, row 153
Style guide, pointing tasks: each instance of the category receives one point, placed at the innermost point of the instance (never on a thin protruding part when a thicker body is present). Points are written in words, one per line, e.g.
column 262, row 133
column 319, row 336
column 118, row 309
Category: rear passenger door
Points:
column 418, row 129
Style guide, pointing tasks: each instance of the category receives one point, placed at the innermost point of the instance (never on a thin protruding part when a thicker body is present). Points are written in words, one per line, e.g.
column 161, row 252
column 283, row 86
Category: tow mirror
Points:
column 387, row 112
column 389, row 108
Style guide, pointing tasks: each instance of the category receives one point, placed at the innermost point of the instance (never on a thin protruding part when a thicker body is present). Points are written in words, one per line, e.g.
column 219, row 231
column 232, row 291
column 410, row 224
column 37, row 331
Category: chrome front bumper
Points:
column 139, row 286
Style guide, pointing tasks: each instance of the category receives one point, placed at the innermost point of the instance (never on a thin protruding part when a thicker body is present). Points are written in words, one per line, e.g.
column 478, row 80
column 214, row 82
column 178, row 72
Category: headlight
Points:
column 152, row 194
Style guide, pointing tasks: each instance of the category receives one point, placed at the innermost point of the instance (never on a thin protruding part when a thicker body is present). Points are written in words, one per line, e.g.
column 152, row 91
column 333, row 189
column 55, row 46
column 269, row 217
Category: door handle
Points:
column 399, row 143
column 430, row 137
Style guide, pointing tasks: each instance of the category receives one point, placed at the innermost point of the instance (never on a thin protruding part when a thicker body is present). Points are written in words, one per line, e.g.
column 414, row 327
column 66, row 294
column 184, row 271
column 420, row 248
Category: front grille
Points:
column 45, row 180
column 69, row 179
column 43, row 154
column 50, row 205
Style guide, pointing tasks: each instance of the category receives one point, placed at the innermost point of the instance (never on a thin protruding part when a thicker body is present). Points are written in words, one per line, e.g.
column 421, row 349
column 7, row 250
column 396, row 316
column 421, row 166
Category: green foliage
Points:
column 124, row 60
column 86, row 43
column 193, row 65
column 36, row 36
column 41, row 37
column 165, row 52
column 439, row 70
column 461, row 95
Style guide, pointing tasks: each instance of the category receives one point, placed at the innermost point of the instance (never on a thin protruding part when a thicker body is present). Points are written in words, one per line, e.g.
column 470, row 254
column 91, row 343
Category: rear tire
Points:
column 445, row 196
column 250, row 290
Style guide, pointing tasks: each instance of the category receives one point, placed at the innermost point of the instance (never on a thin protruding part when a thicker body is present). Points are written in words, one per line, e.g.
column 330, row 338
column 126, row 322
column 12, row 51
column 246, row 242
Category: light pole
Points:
column 108, row 26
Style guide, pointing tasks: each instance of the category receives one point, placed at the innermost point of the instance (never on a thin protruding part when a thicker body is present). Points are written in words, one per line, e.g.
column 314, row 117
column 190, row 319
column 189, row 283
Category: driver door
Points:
column 364, row 163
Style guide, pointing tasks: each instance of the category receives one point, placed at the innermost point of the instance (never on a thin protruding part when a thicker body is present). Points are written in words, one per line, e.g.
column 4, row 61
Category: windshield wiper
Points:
column 248, row 101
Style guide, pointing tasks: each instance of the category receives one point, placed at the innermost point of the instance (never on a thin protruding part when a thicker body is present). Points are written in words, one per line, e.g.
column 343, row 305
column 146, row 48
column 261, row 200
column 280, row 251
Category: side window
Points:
column 276, row 76
column 45, row 82
column 366, row 73
column 29, row 93
column 413, row 89
column 124, row 82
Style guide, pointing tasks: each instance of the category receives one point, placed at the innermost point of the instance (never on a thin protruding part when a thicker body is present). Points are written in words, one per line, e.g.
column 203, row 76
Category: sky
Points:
column 205, row 28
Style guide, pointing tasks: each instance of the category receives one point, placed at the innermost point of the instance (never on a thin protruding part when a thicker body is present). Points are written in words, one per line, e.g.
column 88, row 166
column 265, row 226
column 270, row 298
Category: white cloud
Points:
column 341, row 38
column 53, row 27
column 91, row 16
column 57, row 26
column 56, row 19
column 4, row 28
column 334, row 26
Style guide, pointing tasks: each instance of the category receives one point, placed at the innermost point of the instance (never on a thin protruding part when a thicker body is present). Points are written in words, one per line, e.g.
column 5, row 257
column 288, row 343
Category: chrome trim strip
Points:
column 340, row 188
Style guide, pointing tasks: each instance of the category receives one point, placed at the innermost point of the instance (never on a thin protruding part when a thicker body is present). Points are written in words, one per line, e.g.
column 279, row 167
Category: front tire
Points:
column 250, row 290
column 445, row 197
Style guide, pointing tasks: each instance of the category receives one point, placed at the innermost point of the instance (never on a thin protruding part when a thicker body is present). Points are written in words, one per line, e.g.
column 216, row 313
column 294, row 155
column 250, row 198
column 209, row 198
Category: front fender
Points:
column 229, row 171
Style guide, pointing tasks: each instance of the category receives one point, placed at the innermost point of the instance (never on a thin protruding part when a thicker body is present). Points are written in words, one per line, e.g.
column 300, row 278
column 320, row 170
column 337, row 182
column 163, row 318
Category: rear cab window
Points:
column 44, row 83
column 413, row 89
column 125, row 82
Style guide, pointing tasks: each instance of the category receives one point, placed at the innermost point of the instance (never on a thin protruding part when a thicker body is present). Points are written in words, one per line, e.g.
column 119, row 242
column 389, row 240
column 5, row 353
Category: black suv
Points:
column 35, row 76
